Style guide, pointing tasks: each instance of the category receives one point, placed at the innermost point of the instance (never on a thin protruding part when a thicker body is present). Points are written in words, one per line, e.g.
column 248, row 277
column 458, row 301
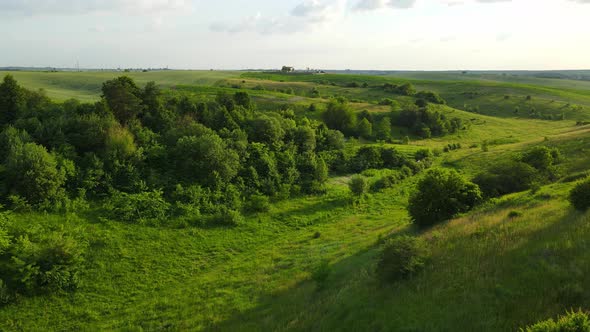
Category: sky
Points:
column 322, row 34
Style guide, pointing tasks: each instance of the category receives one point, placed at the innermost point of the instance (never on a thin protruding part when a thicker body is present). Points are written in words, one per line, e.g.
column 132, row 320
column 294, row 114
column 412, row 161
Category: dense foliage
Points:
column 402, row 257
column 575, row 321
column 37, row 260
column 535, row 166
column 441, row 195
column 148, row 156
column 580, row 195
column 426, row 122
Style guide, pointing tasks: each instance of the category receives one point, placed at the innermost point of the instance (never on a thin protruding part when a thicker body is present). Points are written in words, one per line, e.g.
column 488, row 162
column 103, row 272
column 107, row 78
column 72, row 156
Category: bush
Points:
column 226, row 217
column 441, row 195
column 142, row 207
column 258, row 203
column 33, row 174
column 401, row 258
column 387, row 102
column 423, row 154
column 505, row 178
column 580, row 195
column 37, row 260
column 541, row 157
column 570, row 322
column 321, row 273
column 388, row 181
column 514, row 214
column 358, row 185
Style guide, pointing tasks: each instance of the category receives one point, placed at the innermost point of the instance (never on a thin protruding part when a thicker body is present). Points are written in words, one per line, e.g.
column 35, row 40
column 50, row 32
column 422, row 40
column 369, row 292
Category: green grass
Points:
column 86, row 86
column 488, row 272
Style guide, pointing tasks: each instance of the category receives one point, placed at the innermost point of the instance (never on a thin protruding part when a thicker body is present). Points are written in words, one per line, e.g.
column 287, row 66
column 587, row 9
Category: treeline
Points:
column 421, row 121
column 150, row 156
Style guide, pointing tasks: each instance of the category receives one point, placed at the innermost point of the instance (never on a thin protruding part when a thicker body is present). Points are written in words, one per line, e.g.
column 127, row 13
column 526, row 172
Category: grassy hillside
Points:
column 512, row 261
column 86, row 86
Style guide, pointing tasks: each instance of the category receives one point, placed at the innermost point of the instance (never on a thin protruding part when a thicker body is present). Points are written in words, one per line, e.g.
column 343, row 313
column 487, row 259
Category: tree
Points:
column 266, row 129
column 313, row 172
column 540, row 157
column 365, row 129
column 340, row 116
column 580, row 195
column 441, row 195
column 367, row 157
column 331, row 140
column 11, row 100
column 123, row 98
column 358, row 185
column 383, row 129
column 305, row 139
column 11, row 137
column 431, row 97
column 33, row 174
column 205, row 159
column 407, row 89
column 243, row 99
column 155, row 116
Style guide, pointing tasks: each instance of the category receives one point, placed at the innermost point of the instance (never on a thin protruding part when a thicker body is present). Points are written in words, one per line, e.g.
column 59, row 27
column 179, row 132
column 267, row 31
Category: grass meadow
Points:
column 491, row 270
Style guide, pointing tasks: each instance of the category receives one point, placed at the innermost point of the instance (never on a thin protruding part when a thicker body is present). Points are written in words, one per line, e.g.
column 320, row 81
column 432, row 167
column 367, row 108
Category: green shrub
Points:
column 570, row 322
column 358, row 185
column 423, row 154
column 387, row 102
column 226, row 217
column 441, row 195
column 321, row 273
column 580, row 195
column 541, row 157
column 385, row 182
column 37, row 260
column 257, row 203
column 402, row 257
column 507, row 177
column 142, row 207
column 514, row 214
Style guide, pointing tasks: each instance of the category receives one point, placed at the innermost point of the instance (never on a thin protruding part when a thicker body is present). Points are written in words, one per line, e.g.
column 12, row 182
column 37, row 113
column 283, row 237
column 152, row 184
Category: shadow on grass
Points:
column 306, row 305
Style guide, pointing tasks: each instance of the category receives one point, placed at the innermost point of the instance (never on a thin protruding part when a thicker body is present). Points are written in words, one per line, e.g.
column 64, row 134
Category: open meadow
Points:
column 263, row 201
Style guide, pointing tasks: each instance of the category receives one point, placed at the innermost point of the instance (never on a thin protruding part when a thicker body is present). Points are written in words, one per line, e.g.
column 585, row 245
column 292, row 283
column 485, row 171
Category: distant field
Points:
column 86, row 86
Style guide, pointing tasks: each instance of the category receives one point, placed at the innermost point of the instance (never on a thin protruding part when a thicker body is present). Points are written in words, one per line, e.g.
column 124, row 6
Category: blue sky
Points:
column 334, row 34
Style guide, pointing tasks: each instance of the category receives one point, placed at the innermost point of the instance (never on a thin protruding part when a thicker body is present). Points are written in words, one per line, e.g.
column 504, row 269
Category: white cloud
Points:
column 305, row 16
column 378, row 4
column 71, row 7
column 368, row 5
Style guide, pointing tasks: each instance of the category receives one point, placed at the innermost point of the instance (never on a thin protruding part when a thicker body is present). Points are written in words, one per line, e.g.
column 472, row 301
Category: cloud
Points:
column 503, row 36
column 368, row 5
column 379, row 4
column 305, row 16
column 76, row 7
column 581, row 1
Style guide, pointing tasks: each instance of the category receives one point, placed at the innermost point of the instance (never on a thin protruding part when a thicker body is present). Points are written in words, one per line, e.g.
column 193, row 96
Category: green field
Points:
column 487, row 271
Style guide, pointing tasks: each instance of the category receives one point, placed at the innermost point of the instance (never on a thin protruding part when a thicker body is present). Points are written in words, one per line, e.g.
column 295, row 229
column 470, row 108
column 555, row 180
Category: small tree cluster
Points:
column 401, row 258
column 441, row 195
